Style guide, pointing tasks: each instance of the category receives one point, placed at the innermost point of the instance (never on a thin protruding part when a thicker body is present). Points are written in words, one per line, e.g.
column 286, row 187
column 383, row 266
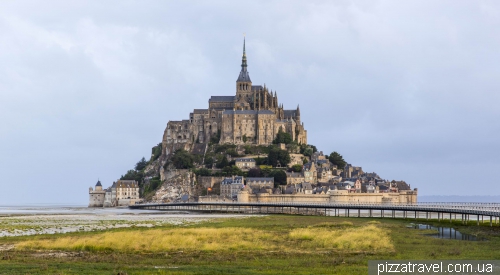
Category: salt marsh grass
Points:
column 155, row 240
column 367, row 238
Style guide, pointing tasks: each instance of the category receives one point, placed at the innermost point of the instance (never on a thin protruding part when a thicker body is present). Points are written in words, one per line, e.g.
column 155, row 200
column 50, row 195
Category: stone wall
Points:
column 209, row 181
column 336, row 196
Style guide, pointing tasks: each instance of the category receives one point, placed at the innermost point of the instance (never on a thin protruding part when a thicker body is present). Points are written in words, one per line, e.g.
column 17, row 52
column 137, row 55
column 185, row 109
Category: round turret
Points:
column 98, row 186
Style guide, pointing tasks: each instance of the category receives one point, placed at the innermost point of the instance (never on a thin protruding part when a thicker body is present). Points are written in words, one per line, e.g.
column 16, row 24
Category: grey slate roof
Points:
column 127, row 184
column 222, row 98
column 289, row 113
column 306, row 186
column 294, row 175
column 239, row 112
column 98, row 183
column 245, row 159
column 200, row 111
column 237, row 180
column 402, row 185
column 244, row 76
column 266, row 112
column 260, row 179
column 257, row 87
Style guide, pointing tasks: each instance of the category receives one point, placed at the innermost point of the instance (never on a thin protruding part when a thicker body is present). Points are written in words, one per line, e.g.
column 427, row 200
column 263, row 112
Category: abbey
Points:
column 252, row 116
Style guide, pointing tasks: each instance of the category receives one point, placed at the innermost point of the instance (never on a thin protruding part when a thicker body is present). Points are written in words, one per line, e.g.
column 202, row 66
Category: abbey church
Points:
column 252, row 116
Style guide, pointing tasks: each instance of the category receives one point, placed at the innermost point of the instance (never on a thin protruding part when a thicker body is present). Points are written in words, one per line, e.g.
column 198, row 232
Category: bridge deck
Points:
column 467, row 210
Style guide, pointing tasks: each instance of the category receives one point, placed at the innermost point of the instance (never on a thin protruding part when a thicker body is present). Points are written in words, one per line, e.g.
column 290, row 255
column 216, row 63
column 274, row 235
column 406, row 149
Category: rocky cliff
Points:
column 178, row 185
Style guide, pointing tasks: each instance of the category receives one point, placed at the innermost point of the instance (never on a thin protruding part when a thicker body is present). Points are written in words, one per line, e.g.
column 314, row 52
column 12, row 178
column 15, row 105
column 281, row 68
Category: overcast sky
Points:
column 407, row 89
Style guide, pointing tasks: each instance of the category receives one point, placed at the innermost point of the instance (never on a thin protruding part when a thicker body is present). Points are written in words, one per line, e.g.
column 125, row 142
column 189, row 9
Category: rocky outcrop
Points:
column 154, row 168
column 179, row 185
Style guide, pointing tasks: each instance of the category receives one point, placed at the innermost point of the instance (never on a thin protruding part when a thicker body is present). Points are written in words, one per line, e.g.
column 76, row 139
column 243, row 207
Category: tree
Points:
column 222, row 163
column 215, row 139
column 313, row 148
column 282, row 137
column 337, row 159
column 182, row 159
column 245, row 138
column 308, row 152
column 255, row 172
column 232, row 171
column 277, row 155
column 133, row 175
column 296, row 168
column 156, row 152
column 279, row 177
column 203, row 172
column 141, row 164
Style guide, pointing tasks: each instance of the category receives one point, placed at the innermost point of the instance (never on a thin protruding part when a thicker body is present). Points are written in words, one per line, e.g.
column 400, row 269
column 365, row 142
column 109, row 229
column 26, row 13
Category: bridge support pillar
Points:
column 491, row 221
column 359, row 213
column 477, row 219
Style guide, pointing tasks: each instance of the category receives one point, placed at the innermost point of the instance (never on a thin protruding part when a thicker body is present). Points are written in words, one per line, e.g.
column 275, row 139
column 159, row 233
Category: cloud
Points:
column 407, row 89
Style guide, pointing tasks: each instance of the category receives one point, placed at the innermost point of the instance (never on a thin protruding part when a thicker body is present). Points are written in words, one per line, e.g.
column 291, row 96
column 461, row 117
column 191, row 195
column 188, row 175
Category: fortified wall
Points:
column 335, row 196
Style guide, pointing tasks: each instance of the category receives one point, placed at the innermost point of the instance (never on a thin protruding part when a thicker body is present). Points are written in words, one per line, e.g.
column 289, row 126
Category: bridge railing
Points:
column 427, row 206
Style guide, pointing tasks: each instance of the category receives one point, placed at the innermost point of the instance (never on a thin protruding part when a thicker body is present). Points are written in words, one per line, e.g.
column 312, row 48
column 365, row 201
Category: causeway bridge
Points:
column 467, row 213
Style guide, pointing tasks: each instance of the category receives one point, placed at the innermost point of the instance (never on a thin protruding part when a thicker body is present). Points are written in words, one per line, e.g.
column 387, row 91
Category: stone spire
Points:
column 297, row 114
column 244, row 58
column 244, row 76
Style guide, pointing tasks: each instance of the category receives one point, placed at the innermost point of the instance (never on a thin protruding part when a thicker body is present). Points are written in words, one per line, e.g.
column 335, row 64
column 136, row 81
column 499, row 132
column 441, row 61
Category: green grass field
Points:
column 276, row 244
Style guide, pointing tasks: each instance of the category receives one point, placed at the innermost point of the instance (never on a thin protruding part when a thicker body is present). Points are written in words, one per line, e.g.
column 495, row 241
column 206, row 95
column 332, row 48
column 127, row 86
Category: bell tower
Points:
column 243, row 83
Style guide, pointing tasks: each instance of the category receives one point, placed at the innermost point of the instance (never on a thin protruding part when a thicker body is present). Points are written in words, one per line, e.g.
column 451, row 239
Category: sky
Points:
column 407, row 89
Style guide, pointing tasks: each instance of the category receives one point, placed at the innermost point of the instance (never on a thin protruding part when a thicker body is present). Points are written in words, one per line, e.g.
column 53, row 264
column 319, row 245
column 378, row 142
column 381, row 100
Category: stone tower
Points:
column 243, row 85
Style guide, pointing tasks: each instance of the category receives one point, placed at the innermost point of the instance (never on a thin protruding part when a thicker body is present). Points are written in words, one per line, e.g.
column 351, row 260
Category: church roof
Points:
column 200, row 111
column 244, row 76
column 222, row 98
column 98, row 183
column 289, row 113
column 257, row 87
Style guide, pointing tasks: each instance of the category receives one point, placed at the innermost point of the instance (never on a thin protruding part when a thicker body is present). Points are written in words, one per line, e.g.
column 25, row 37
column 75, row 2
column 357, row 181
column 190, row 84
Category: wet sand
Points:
column 23, row 221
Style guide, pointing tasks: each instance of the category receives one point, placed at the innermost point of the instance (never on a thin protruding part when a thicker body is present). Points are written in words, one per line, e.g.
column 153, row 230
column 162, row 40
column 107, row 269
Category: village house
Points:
column 229, row 187
column 294, row 177
column 245, row 163
column 310, row 173
column 121, row 193
column 254, row 183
